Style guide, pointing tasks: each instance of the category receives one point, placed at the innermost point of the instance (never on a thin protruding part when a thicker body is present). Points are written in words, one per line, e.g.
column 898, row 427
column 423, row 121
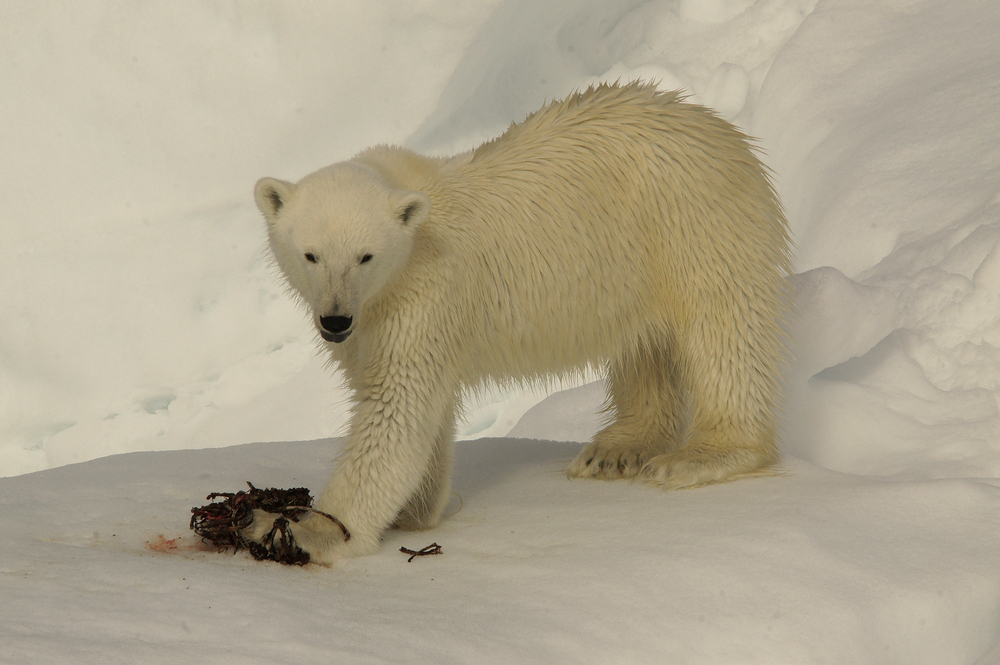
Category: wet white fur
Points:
column 621, row 228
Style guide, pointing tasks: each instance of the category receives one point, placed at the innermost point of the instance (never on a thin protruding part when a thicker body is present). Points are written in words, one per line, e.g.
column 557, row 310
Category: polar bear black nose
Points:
column 336, row 324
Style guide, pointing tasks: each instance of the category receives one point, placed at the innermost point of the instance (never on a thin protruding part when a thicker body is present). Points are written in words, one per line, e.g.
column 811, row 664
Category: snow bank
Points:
column 531, row 52
column 139, row 308
column 888, row 165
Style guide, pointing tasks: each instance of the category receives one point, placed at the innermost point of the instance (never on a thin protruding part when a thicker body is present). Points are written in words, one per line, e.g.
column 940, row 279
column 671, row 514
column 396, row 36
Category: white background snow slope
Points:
column 138, row 313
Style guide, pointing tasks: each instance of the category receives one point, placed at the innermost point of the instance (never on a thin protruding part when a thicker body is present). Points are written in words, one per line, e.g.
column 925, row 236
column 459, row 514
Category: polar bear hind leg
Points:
column 732, row 432
column 646, row 410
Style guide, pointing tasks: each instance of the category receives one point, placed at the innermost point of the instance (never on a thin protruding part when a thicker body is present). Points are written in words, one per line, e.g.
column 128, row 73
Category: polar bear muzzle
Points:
column 335, row 328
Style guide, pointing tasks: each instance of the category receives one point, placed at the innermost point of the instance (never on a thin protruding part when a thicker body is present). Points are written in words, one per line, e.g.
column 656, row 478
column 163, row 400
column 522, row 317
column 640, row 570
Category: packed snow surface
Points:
column 140, row 314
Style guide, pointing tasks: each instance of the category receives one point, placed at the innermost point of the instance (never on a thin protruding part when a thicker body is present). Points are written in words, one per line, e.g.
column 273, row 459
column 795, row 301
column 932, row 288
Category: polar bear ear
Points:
column 271, row 196
column 411, row 207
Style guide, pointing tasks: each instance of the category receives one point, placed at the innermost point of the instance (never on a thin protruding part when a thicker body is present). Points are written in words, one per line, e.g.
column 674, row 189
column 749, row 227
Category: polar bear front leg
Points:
column 387, row 456
column 424, row 508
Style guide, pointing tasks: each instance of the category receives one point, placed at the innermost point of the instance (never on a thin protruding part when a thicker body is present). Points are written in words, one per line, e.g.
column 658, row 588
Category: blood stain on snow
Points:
column 161, row 544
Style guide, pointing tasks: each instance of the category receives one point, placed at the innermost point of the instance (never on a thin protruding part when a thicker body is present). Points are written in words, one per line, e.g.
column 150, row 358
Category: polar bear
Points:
column 622, row 228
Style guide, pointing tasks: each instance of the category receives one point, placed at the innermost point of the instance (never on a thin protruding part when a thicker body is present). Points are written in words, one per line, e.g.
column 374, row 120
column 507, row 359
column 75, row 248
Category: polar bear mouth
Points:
column 336, row 338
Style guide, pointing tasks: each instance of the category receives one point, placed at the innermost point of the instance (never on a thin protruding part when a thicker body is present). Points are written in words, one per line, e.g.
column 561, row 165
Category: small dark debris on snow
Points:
column 433, row 548
column 223, row 522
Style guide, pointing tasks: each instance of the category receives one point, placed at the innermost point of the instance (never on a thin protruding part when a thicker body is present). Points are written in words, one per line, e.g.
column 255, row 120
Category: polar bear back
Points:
column 600, row 226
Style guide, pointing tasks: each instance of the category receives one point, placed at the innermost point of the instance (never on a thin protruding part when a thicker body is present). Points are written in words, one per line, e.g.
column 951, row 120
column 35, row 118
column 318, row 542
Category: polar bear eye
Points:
column 366, row 258
column 310, row 257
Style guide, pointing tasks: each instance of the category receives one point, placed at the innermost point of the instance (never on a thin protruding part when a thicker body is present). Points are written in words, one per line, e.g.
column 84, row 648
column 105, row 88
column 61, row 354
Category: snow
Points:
column 892, row 194
column 813, row 567
column 144, row 336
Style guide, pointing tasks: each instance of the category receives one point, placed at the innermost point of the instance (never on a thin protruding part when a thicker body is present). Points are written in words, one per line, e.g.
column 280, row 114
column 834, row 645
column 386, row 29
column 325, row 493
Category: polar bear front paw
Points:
column 315, row 538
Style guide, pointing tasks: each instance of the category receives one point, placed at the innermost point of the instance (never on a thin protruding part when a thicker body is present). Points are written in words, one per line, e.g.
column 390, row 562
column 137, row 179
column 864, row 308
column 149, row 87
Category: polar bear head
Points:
column 339, row 236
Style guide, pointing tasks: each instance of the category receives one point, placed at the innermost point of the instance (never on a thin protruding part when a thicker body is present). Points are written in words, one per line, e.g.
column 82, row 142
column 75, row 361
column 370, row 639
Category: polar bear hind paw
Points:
column 607, row 461
column 697, row 466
